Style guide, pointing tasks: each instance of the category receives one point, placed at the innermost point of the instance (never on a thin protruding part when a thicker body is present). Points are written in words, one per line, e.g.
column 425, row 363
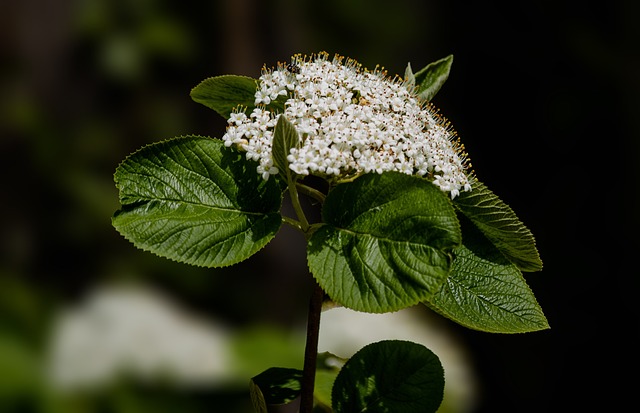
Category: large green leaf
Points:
column 485, row 291
column 500, row 225
column 386, row 243
column 430, row 79
column 195, row 201
column 390, row 376
column 225, row 93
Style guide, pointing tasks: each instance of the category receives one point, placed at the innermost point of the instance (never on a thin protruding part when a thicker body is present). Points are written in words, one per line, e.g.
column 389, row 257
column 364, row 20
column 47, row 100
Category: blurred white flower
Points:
column 138, row 333
column 350, row 121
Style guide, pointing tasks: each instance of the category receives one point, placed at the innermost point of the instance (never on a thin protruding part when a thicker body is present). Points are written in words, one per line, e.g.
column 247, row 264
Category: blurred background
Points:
column 544, row 94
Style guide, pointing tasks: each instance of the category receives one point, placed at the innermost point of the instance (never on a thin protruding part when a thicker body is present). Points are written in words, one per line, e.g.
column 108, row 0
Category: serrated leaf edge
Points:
column 522, row 230
column 186, row 138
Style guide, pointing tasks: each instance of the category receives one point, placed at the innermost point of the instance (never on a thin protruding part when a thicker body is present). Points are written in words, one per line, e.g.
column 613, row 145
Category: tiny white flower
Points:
column 237, row 118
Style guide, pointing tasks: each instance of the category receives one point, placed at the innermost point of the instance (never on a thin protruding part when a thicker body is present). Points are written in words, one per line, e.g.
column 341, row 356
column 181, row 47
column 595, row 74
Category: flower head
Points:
column 349, row 121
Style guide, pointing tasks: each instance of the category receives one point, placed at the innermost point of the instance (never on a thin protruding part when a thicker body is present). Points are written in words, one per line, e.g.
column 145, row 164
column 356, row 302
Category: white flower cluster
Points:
column 350, row 121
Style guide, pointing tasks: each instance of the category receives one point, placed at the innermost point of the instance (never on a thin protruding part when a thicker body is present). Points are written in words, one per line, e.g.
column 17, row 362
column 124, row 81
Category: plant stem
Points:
column 311, row 349
column 312, row 192
column 315, row 308
column 292, row 222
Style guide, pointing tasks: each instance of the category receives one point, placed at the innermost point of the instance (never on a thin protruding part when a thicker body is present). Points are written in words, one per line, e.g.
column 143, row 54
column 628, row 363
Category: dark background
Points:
column 544, row 95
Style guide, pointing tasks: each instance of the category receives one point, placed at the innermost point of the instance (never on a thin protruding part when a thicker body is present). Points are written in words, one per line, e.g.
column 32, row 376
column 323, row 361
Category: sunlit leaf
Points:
column 430, row 79
column 500, row 225
column 195, row 201
column 225, row 93
column 485, row 291
column 386, row 243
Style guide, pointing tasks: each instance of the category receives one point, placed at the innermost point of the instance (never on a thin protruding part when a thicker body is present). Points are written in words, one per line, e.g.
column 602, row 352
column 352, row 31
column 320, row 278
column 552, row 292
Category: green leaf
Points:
column 500, row 225
column 257, row 398
column 386, row 244
column 276, row 386
column 195, row 201
column 390, row 376
column 225, row 93
column 409, row 77
column 285, row 137
column 430, row 79
column 485, row 291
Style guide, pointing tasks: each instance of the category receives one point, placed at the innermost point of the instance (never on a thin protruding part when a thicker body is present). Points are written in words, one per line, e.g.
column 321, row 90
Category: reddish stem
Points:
column 311, row 349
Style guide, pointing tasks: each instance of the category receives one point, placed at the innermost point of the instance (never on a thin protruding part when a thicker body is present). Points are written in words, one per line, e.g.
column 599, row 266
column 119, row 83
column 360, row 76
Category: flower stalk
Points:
column 311, row 192
column 295, row 201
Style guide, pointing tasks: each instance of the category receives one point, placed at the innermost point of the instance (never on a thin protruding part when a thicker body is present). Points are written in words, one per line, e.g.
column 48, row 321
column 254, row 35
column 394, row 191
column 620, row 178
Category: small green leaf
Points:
column 285, row 137
column 409, row 77
column 386, row 243
column 257, row 398
column 275, row 386
column 500, row 225
column 430, row 79
column 225, row 93
column 390, row 376
column 195, row 201
column 485, row 291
